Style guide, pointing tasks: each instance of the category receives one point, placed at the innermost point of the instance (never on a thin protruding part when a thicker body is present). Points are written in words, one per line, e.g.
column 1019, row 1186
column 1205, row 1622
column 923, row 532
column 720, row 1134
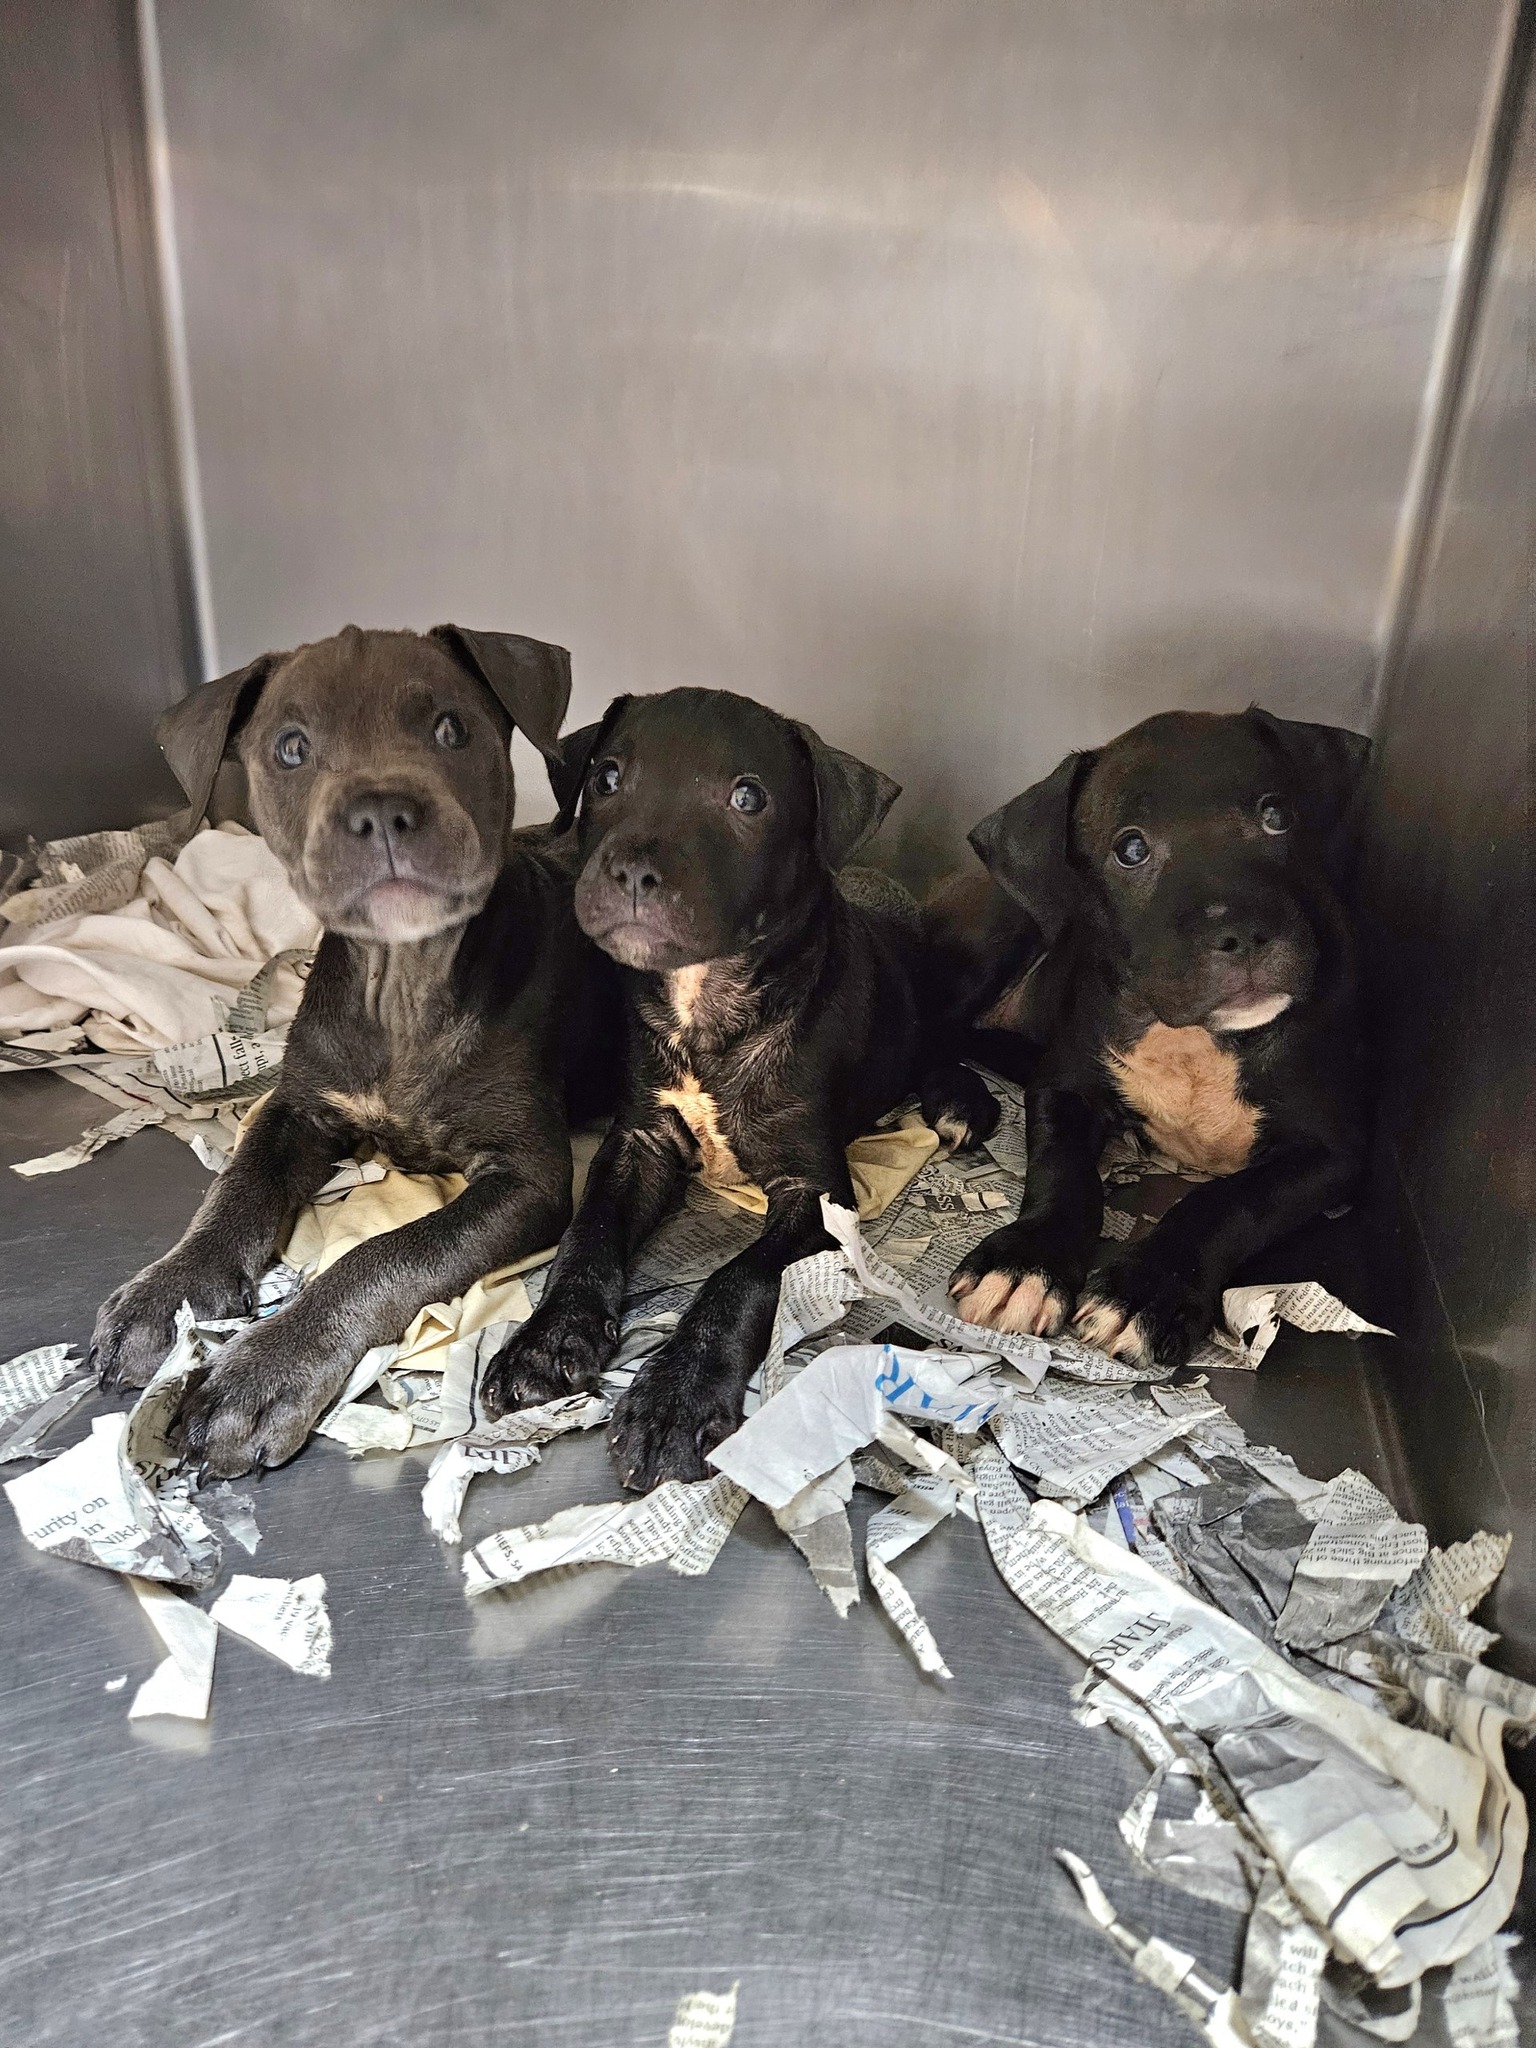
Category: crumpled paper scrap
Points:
column 1253, row 1316
column 285, row 1617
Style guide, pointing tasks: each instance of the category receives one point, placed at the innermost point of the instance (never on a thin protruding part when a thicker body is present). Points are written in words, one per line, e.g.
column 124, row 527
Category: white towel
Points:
column 165, row 967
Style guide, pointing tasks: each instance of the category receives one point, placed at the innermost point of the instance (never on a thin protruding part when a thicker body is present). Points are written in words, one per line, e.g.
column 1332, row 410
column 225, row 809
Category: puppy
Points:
column 769, row 1023
column 1185, row 970
column 452, row 1004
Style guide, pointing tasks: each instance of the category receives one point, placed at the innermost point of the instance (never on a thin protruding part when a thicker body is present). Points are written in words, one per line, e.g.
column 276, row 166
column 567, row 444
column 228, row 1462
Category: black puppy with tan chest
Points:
column 452, row 1006
column 770, row 1022
column 1189, row 975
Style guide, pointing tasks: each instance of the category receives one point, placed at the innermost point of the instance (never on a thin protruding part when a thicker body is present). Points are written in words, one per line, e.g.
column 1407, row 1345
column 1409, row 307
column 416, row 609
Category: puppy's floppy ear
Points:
column 195, row 734
column 1026, row 846
column 851, row 798
column 569, row 774
column 1327, row 760
column 530, row 679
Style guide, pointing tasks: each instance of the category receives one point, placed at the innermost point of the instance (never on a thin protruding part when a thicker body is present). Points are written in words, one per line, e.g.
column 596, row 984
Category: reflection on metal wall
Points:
column 95, row 624
column 968, row 378
column 1453, row 887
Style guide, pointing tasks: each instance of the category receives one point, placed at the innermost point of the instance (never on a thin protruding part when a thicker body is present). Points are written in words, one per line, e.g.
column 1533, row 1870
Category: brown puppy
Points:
column 452, row 1005
column 1168, row 953
column 770, row 1021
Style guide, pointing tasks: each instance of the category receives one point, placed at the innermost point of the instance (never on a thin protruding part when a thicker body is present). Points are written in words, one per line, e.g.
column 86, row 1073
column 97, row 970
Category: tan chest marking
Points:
column 368, row 1111
column 684, row 987
column 1184, row 1087
column 718, row 1165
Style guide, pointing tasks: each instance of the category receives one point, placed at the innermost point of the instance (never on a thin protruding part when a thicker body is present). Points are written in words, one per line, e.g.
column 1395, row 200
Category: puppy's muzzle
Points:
column 1257, row 970
column 625, row 903
column 392, row 862
column 1232, row 962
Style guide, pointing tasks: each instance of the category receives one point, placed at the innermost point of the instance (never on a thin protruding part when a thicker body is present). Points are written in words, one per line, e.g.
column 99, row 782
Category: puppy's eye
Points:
column 291, row 748
column 451, row 731
column 1275, row 815
column 605, row 778
column 749, row 797
column 1132, row 850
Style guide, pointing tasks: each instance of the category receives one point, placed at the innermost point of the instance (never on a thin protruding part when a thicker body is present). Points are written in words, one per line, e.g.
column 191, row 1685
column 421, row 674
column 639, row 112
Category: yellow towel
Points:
column 881, row 1165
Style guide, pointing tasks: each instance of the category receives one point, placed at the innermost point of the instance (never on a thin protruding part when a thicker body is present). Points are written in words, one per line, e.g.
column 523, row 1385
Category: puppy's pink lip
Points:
column 399, row 909
column 1252, row 1011
column 636, row 942
column 402, row 889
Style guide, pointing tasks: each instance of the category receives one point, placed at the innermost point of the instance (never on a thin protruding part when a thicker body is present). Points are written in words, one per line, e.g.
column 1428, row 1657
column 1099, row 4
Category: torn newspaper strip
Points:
column 1074, row 1440
column 842, row 1401
column 1479, row 2000
column 925, row 1502
column 704, row 2019
column 183, row 1684
column 1406, row 1848
column 679, row 1525
column 195, row 1088
column 93, row 872
column 448, row 1477
column 1212, row 2007
column 1252, row 1317
column 126, row 1124
column 90, row 1504
column 1284, row 1958
column 1430, row 1612
column 32, row 1377
column 1358, row 1553
column 37, row 1389
column 285, row 1617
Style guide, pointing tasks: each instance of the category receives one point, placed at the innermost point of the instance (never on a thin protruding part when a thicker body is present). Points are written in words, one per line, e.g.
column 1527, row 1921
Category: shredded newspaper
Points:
column 1286, row 1647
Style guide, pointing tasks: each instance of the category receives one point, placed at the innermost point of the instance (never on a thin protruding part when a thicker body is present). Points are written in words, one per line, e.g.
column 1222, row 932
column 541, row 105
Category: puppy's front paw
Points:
column 560, row 1350
column 256, row 1401
column 136, row 1325
column 1141, row 1311
column 960, row 1106
column 1019, row 1280
column 671, row 1415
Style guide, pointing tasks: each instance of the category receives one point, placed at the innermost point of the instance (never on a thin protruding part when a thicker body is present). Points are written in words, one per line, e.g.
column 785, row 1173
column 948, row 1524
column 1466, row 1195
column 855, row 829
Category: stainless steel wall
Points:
column 1455, row 937
column 970, row 378
column 94, row 622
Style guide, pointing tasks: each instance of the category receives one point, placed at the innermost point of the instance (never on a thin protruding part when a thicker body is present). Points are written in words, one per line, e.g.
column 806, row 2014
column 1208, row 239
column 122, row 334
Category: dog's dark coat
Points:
column 1182, row 965
column 769, row 1023
column 452, row 1005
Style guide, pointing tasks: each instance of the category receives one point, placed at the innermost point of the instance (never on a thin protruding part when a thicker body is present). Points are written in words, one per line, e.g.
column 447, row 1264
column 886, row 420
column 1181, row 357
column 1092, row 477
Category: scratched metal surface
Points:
column 1454, row 931
column 91, row 586
column 1059, row 361
column 543, row 1818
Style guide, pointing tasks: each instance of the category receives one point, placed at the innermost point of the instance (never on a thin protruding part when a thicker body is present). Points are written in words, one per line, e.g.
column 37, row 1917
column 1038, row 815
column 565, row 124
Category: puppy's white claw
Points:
column 986, row 1298
column 1133, row 1344
column 1099, row 1323
column 1052, row 1316
column 961, row 1286
column 1020, row 1312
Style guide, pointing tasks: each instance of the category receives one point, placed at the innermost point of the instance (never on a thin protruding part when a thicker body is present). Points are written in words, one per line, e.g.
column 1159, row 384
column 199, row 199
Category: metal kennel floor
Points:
column 541, row 1819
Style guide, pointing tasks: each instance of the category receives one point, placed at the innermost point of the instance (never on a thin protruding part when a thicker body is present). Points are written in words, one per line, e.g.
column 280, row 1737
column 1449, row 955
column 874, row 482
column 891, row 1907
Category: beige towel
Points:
column 164, row 968
column 881, row 1164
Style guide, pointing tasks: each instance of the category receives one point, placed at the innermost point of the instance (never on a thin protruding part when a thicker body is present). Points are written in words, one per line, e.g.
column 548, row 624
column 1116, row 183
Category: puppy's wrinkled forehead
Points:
column 362, row 688
column 1181, row 768
column 702, row 740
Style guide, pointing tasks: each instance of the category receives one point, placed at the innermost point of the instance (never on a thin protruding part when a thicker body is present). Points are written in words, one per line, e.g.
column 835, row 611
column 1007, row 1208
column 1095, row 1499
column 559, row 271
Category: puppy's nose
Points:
column 382, row 814
column 1236, row 934
column 635, row 874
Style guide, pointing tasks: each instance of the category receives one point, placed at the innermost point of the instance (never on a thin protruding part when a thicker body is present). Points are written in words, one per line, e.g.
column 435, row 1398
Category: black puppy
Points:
column 1188, row 974
column 769, row 1023
column 452, row 1003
